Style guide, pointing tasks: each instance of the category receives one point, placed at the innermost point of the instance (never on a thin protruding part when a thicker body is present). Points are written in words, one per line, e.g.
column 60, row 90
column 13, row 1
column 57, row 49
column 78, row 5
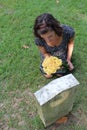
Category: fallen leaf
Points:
column 57, row 1
column 61, row 120
column 25, row 46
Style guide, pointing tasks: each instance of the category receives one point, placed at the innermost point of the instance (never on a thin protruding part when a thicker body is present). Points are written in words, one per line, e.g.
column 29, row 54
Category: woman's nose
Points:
column 48, row 39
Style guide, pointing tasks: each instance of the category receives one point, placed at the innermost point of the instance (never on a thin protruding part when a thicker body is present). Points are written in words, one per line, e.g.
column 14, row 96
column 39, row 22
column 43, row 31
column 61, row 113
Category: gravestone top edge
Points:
column 54, row 88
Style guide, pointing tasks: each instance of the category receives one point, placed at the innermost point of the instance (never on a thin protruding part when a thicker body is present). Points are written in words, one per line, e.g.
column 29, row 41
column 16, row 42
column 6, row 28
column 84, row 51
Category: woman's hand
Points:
column 71, row 67
column 69, row 53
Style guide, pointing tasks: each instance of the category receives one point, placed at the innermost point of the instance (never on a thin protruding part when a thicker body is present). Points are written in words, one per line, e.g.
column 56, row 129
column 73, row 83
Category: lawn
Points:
column 19, row 61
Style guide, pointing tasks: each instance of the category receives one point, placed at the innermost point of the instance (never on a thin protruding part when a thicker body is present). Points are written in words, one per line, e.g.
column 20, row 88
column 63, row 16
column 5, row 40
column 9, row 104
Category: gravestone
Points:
column 55, row 99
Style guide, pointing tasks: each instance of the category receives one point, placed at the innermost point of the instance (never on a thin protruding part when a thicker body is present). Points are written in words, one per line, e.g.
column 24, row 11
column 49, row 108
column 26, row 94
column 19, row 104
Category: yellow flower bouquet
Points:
column 51, row 64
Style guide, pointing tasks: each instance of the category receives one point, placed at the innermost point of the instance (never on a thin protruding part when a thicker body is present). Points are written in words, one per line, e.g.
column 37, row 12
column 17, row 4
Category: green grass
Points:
column 19, row 67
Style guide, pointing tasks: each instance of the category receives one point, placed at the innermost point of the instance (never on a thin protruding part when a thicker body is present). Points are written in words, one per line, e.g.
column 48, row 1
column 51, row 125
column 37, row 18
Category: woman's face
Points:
column 49, row 36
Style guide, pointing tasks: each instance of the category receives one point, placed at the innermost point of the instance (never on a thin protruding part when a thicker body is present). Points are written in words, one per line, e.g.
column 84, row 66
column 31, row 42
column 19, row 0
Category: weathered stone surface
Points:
column 56, row 98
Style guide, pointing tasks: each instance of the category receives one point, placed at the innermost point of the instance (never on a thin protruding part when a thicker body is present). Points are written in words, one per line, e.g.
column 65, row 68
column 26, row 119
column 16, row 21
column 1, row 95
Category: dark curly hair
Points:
column 46, row 22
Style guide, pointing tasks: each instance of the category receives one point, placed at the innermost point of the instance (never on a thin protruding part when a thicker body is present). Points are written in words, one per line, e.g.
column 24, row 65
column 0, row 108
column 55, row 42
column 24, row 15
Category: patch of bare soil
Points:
column 14, row 107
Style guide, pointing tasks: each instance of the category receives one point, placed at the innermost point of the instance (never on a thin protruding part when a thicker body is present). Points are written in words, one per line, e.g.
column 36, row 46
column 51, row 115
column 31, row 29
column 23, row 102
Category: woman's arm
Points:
column 43, row 51
column 69, row 53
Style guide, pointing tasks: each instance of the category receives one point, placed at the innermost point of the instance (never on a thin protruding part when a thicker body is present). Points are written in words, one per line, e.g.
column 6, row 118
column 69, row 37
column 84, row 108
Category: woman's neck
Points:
column 56, row 42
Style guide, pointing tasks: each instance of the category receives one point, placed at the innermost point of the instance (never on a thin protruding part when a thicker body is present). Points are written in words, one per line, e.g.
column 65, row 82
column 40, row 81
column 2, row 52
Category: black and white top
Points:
column 61, row 50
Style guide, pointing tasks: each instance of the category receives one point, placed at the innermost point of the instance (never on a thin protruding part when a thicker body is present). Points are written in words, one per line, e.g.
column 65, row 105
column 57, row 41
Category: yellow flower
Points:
column 51, row 64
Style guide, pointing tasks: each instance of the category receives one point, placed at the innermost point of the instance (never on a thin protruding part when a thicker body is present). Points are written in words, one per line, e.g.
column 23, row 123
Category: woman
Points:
column 54, row 39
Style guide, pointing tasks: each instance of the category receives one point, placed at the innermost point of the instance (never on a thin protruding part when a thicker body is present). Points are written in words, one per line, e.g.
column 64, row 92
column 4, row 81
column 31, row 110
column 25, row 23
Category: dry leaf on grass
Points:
column 57, row 1
column 25, row 46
